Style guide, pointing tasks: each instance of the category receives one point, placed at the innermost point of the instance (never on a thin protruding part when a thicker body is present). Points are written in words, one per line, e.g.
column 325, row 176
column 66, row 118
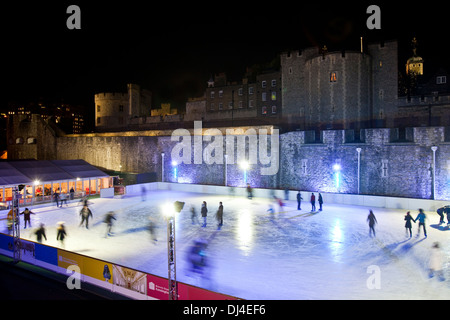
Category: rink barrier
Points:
column 329, row 198
column 105, row 274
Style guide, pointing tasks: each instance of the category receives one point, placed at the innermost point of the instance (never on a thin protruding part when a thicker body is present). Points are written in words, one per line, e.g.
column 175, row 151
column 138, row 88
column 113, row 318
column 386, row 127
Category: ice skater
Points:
column 85, row 213
column 40, row 233
column 62, row 199
column 61, row 233
column 26, row 217
column 204, row 212
column 408, row 225
column 110, row 216
column 436, row 262
column 313, row 202
column 143, row 193
column 249, row 191
column 197, row 257
column 440, row 212
column 56, row 198
column 194, row 218
column 421, row 217
column 372, row 221
column 151, row 229
column 320, row 202
column 447, row 211
column 219, row 216
column 299, row 201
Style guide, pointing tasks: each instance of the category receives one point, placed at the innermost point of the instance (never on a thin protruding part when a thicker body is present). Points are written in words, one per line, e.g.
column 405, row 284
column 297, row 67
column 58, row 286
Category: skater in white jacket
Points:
column 436, row 262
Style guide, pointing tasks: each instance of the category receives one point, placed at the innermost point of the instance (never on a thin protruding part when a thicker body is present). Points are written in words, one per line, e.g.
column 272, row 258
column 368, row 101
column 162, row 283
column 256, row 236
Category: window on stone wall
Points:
column 264, row 110
column 274, row 109
column 19, row 140
column 98, row 108
column 99, row 120
column 384, row 168
column 31, row 140
column 120, row 108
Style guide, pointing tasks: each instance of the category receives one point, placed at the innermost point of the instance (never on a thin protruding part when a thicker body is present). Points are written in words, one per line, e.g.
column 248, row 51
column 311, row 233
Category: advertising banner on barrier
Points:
column 188, row 292
column 98, row 269
column 46, row 254
column 130, row 279
column 157, row 287
column 66, row 259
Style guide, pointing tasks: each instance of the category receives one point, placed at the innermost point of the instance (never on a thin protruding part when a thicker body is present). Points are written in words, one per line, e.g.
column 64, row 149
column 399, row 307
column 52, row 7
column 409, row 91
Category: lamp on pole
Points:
column 170, row 211
column 434, row 148
column 337, row 175
column 359, row 166
column 226, row 168
column 162, row 166
column 244, row 166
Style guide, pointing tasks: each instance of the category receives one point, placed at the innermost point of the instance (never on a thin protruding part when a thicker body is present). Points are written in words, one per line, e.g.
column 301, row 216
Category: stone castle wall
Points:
column 392, row 162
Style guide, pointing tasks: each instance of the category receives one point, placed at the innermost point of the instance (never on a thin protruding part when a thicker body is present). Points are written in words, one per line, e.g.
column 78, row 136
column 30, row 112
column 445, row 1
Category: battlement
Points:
column 111, row 96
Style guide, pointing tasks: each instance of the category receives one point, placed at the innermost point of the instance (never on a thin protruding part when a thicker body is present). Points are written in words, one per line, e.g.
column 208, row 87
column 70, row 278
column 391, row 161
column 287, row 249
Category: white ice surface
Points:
column 294, row 255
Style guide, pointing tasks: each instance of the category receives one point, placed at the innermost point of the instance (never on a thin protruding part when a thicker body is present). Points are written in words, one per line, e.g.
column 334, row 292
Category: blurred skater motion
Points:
column 199, row 266
column 151, row 229
column 85, row 213
column 436, row 262
column 109, row 217
column 61, row 233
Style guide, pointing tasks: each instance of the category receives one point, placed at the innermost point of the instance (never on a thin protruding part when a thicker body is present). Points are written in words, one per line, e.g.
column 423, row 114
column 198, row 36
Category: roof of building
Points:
column 17, row 172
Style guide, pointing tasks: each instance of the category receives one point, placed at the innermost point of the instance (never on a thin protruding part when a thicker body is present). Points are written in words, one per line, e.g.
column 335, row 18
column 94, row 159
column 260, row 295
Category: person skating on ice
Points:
column 299, row 201
column 313, row 202
column 408, row 226
column 421, row 217
column 194, row 218
column 40, row 233
column 26, row 217
column 436, row 262
column 440, row 212
column 219, row 216
column 110, row 216
column 85, row 214
column 204, row 212
column 61, row 233
column 320, row 202
column 372, row 221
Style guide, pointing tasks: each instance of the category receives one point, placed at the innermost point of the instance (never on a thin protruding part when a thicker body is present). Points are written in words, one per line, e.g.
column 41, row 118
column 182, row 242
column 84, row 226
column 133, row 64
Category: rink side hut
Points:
column 37, row 181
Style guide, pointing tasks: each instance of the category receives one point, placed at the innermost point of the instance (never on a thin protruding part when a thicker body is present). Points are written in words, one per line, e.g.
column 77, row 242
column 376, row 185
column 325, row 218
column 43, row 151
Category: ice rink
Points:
column 289, row 254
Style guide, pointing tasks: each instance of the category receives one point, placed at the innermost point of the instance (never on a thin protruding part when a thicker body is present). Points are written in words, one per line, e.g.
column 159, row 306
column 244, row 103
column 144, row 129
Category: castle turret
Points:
column 114, row 110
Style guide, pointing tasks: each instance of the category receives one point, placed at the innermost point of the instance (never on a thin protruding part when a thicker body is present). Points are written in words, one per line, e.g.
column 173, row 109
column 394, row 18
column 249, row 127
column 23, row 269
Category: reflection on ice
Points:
column 244, row 233
column 336, row 241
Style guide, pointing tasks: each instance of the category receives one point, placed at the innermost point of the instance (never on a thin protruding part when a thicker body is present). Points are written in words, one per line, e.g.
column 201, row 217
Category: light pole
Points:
column 162, row 166
column 226, row 168
column 16, row 225
column 434, row 148
column 175, row 170
column 170, row 211
column 337, row 170
column 244, row 166
column 359, row 166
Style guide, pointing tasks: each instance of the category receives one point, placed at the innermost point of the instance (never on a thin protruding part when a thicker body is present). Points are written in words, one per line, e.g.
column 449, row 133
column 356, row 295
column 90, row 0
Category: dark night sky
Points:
column 172, row 48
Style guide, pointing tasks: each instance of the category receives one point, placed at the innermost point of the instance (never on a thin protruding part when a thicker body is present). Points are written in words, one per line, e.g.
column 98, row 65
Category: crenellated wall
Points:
column 393, row 162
